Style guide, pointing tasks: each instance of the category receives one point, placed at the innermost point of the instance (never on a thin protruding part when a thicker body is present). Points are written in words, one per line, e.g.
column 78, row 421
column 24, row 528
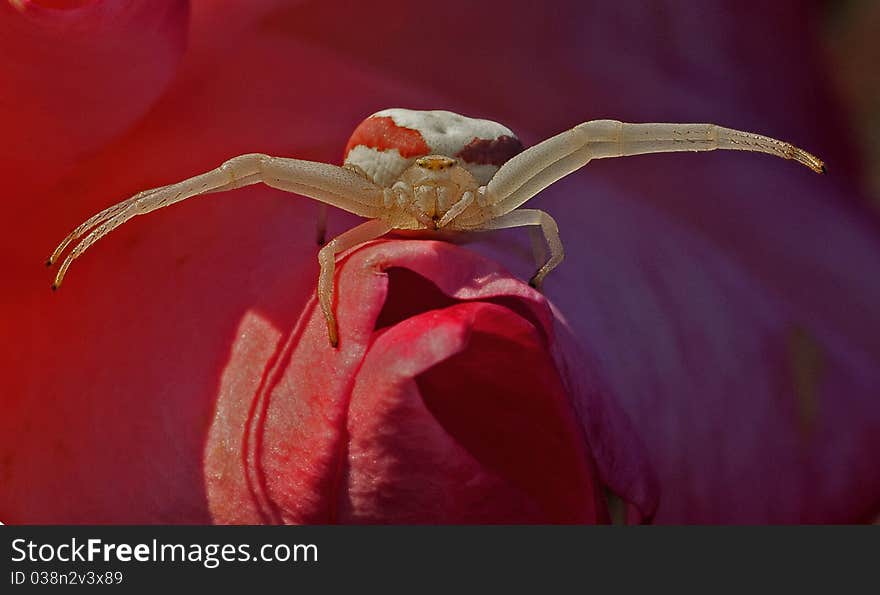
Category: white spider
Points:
column 433, row 170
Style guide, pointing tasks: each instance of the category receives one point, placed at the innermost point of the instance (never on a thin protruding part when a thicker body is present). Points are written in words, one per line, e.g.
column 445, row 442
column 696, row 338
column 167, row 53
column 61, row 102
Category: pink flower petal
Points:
column 430, row 392
column 392, row 427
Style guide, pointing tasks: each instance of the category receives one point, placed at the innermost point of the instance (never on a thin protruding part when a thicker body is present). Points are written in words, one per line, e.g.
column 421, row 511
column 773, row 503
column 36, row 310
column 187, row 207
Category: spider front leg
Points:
column 534, row 217
column 235, row 173
column 327, row 259
column 326, row 183
column 526, row 174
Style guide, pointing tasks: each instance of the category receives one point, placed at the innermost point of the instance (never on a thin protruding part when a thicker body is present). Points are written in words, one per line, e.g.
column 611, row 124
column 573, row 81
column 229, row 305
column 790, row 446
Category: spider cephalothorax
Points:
column 434, row 190
column 433, row 170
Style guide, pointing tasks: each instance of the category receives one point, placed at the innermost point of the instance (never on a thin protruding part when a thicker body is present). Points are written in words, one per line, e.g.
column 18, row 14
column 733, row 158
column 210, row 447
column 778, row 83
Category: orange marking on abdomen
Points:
column 381, row 133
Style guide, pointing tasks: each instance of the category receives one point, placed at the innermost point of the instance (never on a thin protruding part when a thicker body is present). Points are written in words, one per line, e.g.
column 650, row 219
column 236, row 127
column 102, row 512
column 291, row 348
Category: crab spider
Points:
column 432, row 170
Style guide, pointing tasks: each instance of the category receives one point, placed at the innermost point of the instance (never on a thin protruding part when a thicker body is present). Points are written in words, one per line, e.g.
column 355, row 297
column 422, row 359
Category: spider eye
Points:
column 435, row 162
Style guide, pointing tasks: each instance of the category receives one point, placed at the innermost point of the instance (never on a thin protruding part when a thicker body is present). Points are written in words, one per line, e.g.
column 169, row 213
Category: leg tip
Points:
column 49, row 262
column 54, row 287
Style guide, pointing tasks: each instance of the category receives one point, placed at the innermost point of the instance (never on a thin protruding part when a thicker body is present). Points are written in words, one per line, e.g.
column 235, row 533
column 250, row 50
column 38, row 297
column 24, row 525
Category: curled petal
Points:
column 443, row 404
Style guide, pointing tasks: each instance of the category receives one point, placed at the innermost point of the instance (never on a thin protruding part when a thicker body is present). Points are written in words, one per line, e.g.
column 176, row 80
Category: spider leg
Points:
column 538, row 244
column 534, row 217
column 327, row 183
column 91, row 222
column 321, row 228
column 110, row 223
column 364, row 232
column 534, row 169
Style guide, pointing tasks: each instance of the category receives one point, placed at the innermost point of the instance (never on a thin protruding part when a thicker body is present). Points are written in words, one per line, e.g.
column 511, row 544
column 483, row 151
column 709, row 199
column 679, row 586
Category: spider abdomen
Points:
column 388, row 142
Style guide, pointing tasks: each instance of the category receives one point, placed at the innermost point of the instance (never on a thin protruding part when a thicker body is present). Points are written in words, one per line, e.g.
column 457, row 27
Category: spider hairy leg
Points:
column 534, row 217
column 326, row 183
column 235, row 173
column 93, row 221
column 538, row 245
column 364, row 232
column 637, row 139
column 528, row 173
